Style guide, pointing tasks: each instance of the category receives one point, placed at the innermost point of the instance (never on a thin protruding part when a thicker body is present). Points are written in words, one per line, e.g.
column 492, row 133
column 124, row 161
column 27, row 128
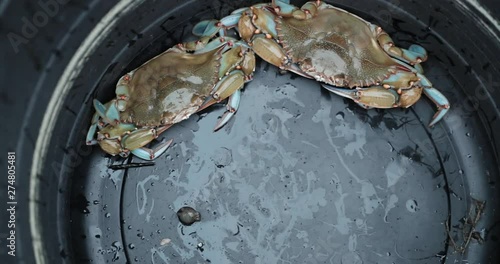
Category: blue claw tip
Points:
column 418, row 49
column 206, row 28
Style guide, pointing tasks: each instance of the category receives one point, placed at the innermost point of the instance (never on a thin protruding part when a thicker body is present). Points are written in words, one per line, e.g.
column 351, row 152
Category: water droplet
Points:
column 107, row 215
column 131, row 246
column 116, row 245
column 351, row 258
column 460, row 172
column 340, row 115
column 96, row 202
column 129, row 227
column 468, row 134
column 222, row 157
column 388, row 254
column 199, row 246
column 412, row 206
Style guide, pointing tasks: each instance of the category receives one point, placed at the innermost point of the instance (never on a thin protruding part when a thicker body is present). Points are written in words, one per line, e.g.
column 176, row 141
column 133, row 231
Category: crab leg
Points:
column 242, row 10
column 414, row 55
column 115, row 131
column 273, row 53
column 209, row 28
column 284, row 6
column 267, row 22
column 307, row 11
column 230, row 59
column 401, row 79
column 270, row 51
column 112, row 146
column 138, row 138
column 376, row 96
column 109, row 113
column 239, row 11
column 380, row 97
column 441, row 102
column 230, row 87
column 237, row 66
column 122, row 91
column 212, row 45
column 232, row 106
column 141, row 137
column 92, row 129
column 206, row 28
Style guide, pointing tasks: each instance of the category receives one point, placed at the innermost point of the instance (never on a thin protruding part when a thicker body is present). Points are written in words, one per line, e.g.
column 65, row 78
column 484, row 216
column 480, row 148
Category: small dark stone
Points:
column 187, row 215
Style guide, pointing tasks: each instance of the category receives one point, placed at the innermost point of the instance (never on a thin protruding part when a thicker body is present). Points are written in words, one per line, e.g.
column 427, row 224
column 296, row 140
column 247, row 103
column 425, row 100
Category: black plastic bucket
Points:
column 298, row 176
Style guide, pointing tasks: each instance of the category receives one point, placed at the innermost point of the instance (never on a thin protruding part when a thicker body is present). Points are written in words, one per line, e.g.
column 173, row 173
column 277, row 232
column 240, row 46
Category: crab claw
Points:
column 151, row 154
column 418, row 51
column 92, row 130
column 232, row 106
column 206, row 28
column 209, row 28
column 437, row 98
column 440, row 100
column 379, row 97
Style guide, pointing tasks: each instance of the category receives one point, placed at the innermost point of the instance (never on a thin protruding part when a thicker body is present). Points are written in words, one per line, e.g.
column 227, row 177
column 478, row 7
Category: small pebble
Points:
column 187, row 215
column 165, row 241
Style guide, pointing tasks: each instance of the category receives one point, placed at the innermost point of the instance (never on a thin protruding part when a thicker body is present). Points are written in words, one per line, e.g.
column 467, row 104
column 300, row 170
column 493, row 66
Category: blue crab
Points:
column 352, row 57
column 167, row 89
